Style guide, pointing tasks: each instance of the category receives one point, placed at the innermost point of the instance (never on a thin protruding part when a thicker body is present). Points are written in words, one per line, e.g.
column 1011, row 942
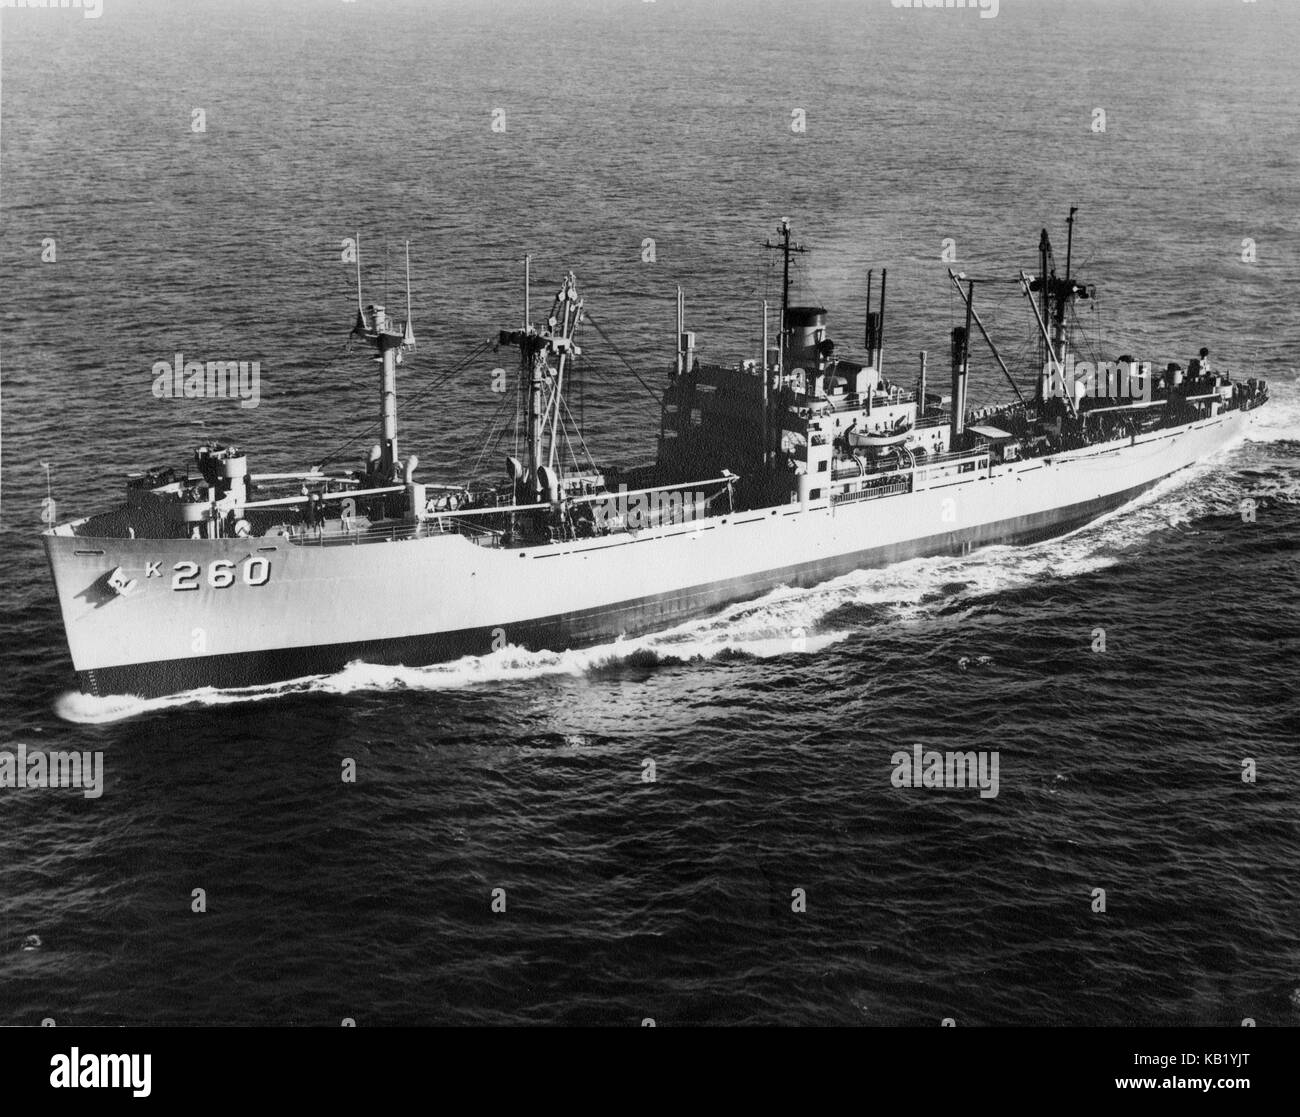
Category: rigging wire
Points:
column 618, row 353
column 489, row 440
column 439, row 382
column 581, row 441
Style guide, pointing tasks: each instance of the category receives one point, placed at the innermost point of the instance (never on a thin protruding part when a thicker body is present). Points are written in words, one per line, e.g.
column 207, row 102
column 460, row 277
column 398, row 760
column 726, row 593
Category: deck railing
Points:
column 874, row 492
column 445, row 524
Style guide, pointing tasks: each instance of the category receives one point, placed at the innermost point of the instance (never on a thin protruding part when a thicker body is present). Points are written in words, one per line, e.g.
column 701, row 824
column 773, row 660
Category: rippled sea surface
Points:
column 625, row 899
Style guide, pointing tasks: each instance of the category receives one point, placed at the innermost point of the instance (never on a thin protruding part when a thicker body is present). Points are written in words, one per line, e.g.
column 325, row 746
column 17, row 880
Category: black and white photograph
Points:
column 650, row 513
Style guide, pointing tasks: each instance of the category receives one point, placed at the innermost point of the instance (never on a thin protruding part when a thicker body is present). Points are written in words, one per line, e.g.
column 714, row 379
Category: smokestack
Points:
column 958, row 385
column 681, row 333
column 920, row 390
column 873, row 333
column 866, row 341
column 880, row 322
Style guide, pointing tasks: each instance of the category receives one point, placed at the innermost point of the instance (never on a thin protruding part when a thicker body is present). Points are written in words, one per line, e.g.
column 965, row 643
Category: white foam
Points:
column 86, row 709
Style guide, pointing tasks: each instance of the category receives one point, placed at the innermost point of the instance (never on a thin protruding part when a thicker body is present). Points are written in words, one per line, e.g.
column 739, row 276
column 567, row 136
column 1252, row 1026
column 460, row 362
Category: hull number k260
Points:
column 255, row 571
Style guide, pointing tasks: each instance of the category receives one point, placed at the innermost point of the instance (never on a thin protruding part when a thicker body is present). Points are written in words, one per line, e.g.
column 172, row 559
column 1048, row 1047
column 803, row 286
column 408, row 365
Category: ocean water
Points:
column 769, row 727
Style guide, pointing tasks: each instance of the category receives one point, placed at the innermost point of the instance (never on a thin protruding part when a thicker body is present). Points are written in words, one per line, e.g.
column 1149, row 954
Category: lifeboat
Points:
column 881, row 439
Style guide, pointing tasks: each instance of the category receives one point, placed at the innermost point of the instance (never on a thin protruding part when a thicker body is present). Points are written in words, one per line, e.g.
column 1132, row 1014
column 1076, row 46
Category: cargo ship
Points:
column 787, row 469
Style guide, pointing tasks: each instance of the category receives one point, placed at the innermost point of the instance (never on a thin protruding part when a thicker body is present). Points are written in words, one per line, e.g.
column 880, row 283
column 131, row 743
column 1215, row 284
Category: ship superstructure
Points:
column 790, row 468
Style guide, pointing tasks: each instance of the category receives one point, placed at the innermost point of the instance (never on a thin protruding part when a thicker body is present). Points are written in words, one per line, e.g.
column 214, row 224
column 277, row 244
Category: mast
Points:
column 389, row 337
column 685, row 338
column 1058, row 319
column 1044, row 304
column 1069, row 240
column 1027, row 285
column 568, row 323
column 762, row 364
column 530, row 370
column 785, row 278
column 358, row 261
column 535, row 350
column 1058, row 293
column 535, row 356
column 1066, row 291
column 785, row 283
column 785, row 248
column 408, row 337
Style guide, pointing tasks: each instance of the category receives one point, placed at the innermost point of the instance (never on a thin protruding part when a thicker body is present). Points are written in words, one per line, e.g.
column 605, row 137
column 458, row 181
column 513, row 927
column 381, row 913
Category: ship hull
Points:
column 248, row 612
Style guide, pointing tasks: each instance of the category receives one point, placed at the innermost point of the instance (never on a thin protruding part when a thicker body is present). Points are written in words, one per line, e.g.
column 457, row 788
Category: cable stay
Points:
column 656, row 396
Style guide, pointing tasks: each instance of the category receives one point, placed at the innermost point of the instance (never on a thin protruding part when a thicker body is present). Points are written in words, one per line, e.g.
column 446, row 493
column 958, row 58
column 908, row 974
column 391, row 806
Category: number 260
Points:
column 221, row 573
